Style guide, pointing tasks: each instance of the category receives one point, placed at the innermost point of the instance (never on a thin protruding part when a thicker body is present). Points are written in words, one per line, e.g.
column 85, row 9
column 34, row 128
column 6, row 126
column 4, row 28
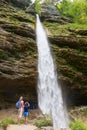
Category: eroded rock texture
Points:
column 19, row 57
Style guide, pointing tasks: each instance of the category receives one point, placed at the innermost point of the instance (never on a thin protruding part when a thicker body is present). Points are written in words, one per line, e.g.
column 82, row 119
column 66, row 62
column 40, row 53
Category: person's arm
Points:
column 28, row 104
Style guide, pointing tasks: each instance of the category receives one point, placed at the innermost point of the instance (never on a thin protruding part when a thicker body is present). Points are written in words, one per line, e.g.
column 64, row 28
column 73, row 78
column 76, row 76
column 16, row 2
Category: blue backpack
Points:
column 18, row 105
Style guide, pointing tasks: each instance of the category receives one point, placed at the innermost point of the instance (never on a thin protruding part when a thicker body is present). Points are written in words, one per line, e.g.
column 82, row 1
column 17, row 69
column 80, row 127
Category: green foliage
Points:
column 22, row 121
column 77, row 10
column 5, row 122
column 63, row 29
column 37, row 7
column 78, row 125
column 44, row 122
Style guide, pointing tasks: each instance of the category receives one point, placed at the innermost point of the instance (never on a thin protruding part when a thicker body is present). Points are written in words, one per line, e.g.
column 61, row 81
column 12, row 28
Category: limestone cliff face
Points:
column 19, row 58
column 71, row 58
column 18, row 54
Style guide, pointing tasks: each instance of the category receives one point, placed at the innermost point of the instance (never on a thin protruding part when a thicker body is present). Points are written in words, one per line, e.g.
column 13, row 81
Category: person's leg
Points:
column 19, row 116
column 26, row 117
column 18, row 120
column 26, row 120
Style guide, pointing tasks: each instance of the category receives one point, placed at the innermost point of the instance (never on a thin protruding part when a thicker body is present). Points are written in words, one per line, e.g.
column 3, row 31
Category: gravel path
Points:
column 21, row 127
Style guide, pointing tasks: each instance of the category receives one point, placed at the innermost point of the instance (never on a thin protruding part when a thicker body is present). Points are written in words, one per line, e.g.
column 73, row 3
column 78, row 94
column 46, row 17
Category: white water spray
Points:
column 41, row 1
column 49, row 93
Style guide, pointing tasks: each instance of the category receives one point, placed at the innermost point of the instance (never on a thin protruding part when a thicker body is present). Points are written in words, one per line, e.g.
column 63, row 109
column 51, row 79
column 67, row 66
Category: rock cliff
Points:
column 19, row 58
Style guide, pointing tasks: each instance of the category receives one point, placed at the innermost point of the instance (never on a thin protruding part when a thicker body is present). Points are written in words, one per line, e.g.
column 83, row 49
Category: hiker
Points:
column 21, row 109
column 26, row 111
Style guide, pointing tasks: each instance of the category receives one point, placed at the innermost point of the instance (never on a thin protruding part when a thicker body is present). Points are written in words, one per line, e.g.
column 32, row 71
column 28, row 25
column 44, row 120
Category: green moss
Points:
column 15, row 15
column 30, row 51
column 74, row 59
column 75, row 26
column 71, row 65
column 5, row 55
column 57, row 29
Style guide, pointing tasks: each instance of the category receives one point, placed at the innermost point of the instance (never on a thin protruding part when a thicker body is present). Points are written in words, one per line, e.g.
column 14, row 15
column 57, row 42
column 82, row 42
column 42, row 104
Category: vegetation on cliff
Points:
column 15, row 31
column 76, row 9
column 37, row 7
column 18, row 52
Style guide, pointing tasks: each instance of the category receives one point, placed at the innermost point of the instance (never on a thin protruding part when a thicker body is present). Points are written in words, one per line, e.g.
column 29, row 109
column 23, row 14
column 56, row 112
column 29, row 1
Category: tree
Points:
column 37, row 7
column 77, row 10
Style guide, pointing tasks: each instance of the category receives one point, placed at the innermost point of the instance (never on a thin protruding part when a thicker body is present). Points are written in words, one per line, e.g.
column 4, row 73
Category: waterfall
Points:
column 49, row 93
column 41, row 1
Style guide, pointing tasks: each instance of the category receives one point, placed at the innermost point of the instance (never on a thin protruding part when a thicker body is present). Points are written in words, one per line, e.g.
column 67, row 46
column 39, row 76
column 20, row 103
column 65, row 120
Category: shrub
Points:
column 5, row 122
column 44, row 122
column 77, row 10
column 37, row 7
column 78, row 125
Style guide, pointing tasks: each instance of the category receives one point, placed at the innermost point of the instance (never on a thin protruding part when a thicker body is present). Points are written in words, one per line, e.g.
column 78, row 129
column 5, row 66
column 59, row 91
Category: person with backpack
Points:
column 26, row 111
column 20, row 108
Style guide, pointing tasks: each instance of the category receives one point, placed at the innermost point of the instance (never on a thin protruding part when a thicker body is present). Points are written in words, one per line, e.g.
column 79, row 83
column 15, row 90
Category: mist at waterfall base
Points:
column 49, row 93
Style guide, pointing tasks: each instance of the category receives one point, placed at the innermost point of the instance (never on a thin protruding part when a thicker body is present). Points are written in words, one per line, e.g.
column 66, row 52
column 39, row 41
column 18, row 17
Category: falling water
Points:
column 49, row 93
column 41, row 1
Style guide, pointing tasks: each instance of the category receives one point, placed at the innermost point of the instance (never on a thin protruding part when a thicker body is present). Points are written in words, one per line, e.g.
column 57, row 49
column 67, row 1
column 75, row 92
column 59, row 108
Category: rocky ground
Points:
column 22, row 127
column 75, row 113
column 13, row 113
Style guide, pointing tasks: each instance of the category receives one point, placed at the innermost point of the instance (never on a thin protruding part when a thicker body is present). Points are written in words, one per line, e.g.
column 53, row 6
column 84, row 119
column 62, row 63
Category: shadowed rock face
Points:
column 19, row 3
column 71, row 59
column 19, row 58
column 18, row 67
column 49, row 13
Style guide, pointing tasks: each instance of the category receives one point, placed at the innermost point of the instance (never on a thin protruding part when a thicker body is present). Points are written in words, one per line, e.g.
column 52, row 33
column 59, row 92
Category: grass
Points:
column 5, row 122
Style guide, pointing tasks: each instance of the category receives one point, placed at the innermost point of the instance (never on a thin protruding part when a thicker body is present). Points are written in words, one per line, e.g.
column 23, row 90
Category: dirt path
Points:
column 21, row 127
column 13, row 113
